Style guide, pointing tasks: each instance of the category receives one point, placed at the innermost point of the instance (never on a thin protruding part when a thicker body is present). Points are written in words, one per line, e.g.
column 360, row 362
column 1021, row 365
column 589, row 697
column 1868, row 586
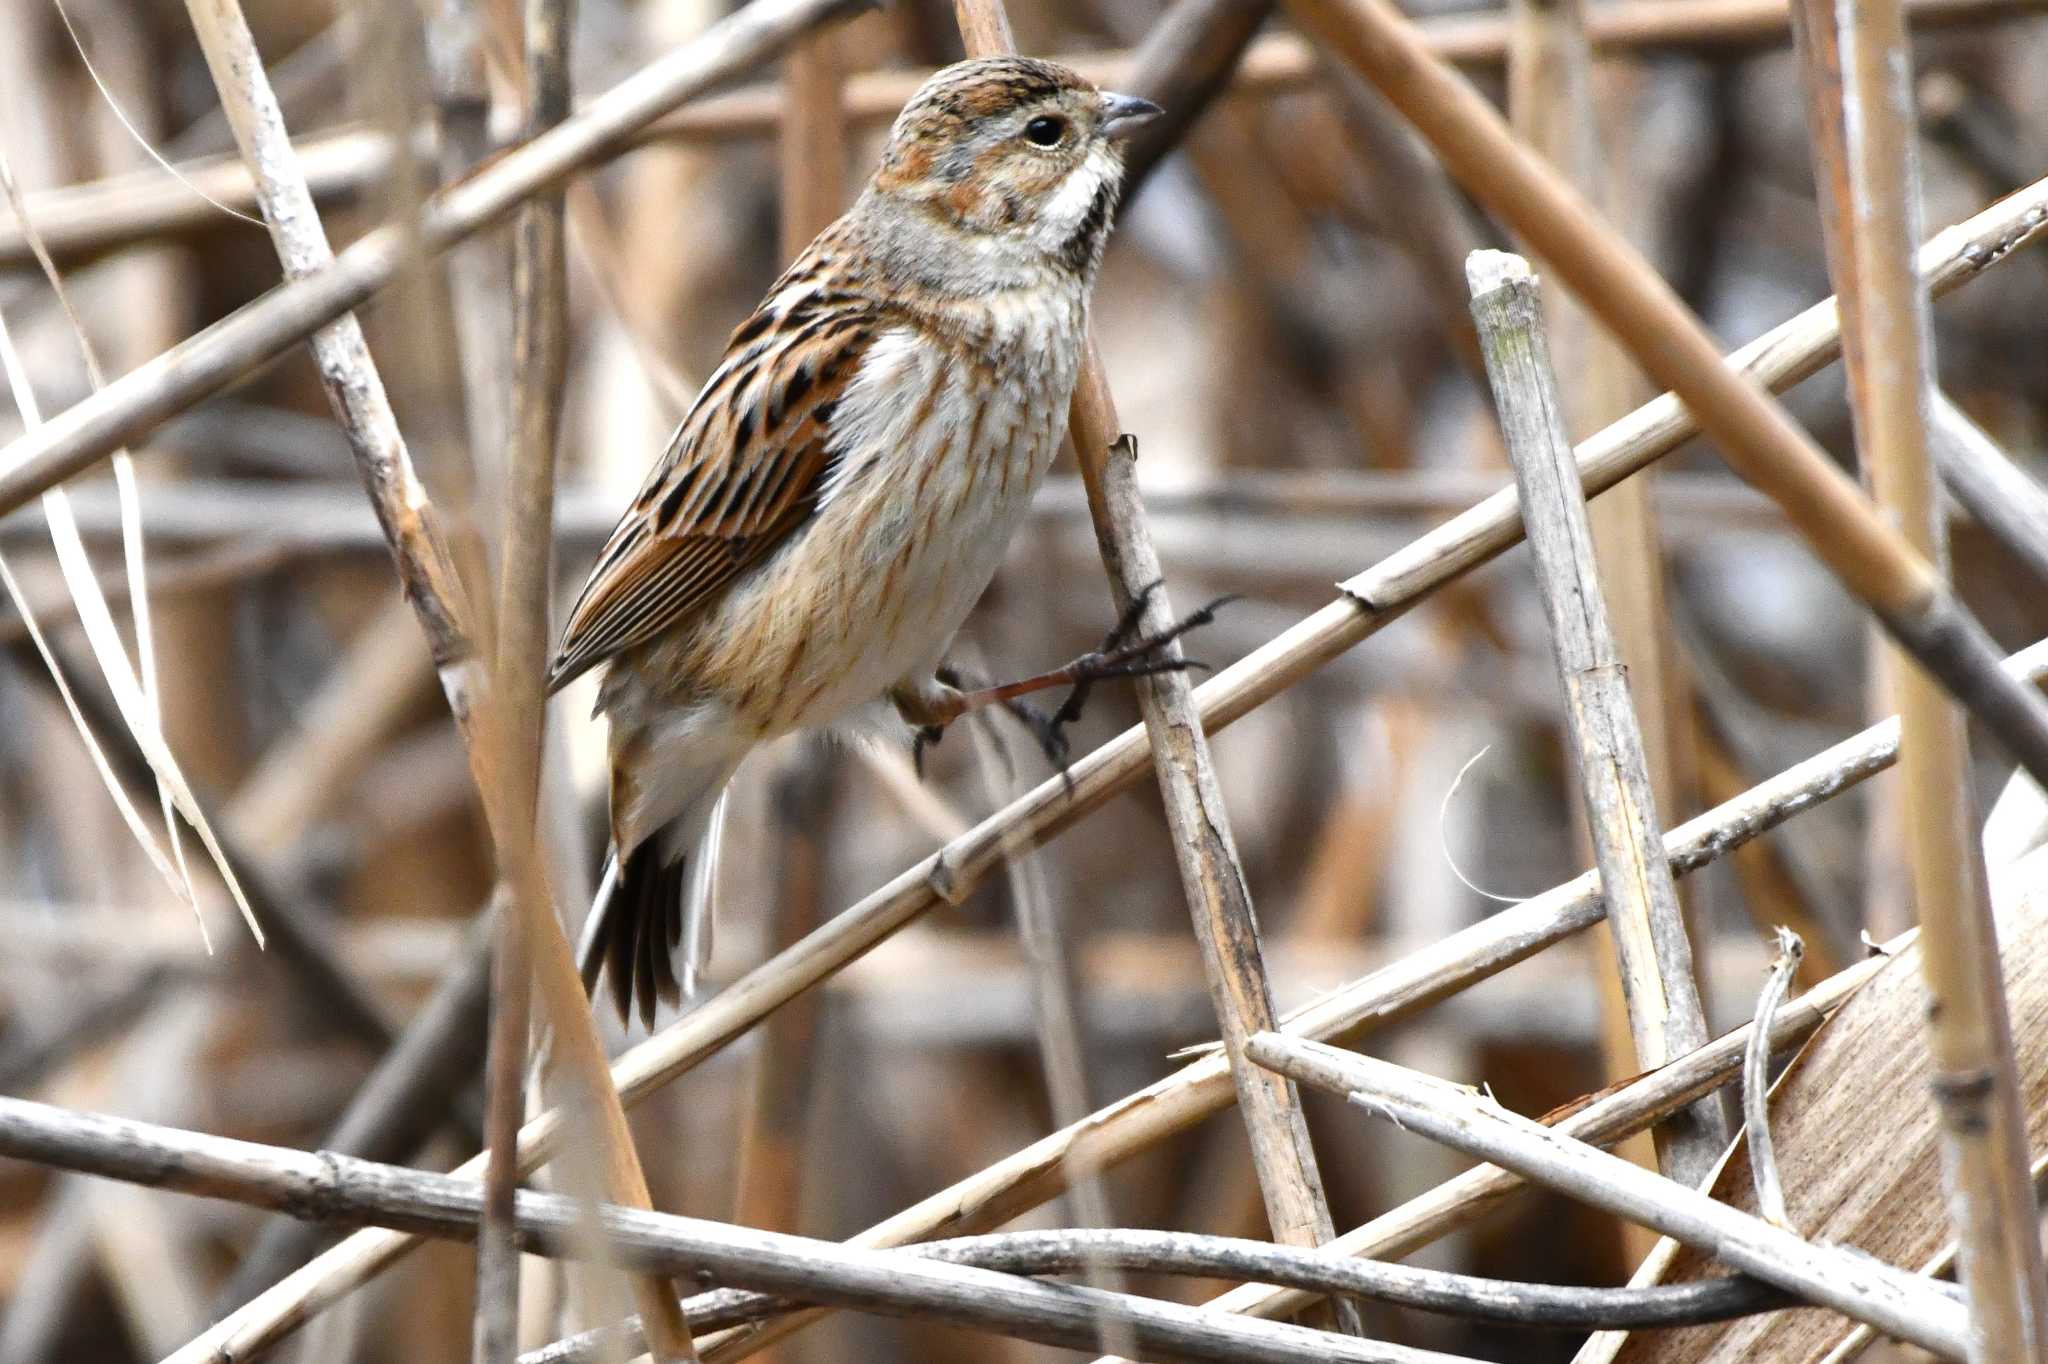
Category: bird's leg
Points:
column 1124, row 653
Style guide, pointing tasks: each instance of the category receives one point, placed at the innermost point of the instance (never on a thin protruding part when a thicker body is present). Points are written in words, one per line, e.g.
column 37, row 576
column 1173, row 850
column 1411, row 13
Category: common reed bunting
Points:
column 844, row 487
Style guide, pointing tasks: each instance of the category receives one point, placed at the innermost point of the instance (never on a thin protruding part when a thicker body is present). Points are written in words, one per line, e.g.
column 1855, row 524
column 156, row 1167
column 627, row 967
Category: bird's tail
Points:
column 648, row 934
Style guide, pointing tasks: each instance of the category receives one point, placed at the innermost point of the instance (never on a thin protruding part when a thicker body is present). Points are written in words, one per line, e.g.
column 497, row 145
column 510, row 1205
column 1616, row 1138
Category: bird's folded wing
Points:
column 742, row 471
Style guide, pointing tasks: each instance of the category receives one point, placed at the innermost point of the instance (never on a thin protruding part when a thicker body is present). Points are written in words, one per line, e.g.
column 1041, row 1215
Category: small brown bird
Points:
column 843, row 488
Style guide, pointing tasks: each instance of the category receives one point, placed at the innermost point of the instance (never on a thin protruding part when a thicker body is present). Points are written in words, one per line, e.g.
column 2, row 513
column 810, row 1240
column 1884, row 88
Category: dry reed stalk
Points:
column 1551, row 106
column 1751, row 431
column 524, row 638
column 320, row 1186
column 94, row 217
column 1897, row 1302
column 326, row 1185
column 1372, row 600
column 502, row 731
column 204, row 363
column 1604, row 1120
column 1218, row 897
column 1395, row 992
column 1656, row 961
column 1975, row 1081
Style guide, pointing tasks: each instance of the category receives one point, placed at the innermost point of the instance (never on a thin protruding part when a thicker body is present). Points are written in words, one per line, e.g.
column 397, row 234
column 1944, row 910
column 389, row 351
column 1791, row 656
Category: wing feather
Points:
column 741, row 473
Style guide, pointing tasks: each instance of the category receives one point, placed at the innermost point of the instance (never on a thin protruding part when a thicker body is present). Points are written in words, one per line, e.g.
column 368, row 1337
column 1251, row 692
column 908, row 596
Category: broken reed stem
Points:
column 435, row 590
column 1551, row 106
column 1756, row 1089
column 1371, row 600
column 336, row 1187
column 1218, row 897
column 1665, row 1017
column 1909, row 1308
column 1976, row 1079
column 1752, row 432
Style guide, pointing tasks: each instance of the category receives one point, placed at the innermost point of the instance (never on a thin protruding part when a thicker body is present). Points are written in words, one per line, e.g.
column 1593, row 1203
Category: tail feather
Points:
column 631, row 936
column 648, row 935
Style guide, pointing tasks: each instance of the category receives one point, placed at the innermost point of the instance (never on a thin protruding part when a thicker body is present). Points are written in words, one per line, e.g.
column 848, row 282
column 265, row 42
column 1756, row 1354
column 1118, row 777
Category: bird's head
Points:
column 1016, row 157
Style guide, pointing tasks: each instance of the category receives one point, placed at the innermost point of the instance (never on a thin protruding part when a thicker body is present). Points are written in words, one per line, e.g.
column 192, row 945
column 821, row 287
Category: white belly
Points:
column 914, row 522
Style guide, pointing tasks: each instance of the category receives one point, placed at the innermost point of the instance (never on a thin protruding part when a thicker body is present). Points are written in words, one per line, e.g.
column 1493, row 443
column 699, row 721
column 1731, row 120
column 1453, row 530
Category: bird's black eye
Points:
column 1046, row 130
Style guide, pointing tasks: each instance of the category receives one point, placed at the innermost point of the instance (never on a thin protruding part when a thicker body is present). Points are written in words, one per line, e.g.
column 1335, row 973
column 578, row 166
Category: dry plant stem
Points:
column 317, row 294
column 326, row 1185
column 525, row 564
column 1218, row 898
column 496, row 1334
column 1400, row 990
column 1543, row 1306
column 1976, row 1080
column 1605, row 1120
column 96, row 216
column 1551, row 105
column 323, row 1186
column 1894, row 1301
column 1752, row 432
column 1756, row 1094
column 498, row 733
column 1372, row 600
column 2002, row 499
column 1665, row 1016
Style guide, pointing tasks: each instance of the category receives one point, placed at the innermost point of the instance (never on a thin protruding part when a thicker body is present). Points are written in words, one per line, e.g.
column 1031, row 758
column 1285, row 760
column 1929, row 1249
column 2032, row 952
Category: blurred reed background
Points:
column 1284, row 316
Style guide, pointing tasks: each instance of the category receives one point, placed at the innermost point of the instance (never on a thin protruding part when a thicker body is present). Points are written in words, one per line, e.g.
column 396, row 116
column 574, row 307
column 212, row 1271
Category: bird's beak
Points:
column 1123, row 115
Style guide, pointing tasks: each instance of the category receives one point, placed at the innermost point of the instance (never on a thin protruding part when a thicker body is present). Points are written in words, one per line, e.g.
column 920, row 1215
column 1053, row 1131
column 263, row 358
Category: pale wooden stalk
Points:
column 494, row 731
column 97, row 216
column 1751, row 431
column 1604, row 1121
column 1621, row 810
column 1887, row 889
column 1893, row 1300
column 1551, row 107
column 1372, row 600
column 1218, row 897
column 523, row 636
column 317, row 1184
column 1395, row 992
column 1976, row 1082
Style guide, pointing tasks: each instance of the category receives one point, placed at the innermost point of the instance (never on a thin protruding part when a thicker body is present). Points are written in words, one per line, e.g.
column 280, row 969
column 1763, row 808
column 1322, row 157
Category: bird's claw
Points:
column 1124, row 652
